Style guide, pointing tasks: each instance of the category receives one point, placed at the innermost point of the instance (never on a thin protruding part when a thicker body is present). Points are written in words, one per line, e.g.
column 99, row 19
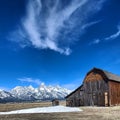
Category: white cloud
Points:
column 114, row 36
column 42, row 24
column 96, row 41
column 30, row 80
column 111, row 37
column 90, row 24
column 56, row 19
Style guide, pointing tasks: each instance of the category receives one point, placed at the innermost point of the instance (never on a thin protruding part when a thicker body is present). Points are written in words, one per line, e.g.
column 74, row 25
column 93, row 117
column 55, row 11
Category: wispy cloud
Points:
column 87, row 25
column 111, row 37
column 30, row 80
column 115, row 35
column 46, row 20
column 96, row 41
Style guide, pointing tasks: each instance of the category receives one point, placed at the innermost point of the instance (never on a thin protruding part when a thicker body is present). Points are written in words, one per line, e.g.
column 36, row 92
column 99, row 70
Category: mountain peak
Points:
column 42, row 84
column 1, row 90
column 29, row 93
column 31, row 87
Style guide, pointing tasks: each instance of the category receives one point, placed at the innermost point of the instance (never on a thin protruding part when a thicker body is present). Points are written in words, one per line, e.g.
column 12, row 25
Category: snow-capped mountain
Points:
column 6, row 96
column 50, row 92
column 43, row 92
column 23, row 93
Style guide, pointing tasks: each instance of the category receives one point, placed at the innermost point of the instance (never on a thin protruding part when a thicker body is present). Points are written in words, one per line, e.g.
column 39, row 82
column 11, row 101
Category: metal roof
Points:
column 111, row 76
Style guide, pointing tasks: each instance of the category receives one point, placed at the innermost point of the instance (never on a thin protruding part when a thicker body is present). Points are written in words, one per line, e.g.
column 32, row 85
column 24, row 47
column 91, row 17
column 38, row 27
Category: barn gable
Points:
column 94, row 75
column 99, row 74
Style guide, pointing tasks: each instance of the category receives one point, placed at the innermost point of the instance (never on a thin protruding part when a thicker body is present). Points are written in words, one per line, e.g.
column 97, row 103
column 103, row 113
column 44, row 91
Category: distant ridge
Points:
column 29, row 93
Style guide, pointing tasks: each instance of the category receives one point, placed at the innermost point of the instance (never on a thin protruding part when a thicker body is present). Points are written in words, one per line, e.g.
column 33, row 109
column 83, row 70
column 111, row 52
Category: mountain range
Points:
column 29, row 93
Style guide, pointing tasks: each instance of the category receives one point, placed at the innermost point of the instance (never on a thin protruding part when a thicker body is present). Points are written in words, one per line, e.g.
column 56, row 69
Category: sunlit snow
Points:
column 44, row 110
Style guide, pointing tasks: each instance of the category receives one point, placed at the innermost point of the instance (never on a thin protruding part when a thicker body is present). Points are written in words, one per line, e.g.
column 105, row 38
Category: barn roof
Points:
column 110, row 75
column 74, row 91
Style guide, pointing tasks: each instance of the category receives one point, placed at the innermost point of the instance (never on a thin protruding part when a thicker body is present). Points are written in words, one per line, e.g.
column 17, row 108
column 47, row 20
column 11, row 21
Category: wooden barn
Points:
column 99, row 88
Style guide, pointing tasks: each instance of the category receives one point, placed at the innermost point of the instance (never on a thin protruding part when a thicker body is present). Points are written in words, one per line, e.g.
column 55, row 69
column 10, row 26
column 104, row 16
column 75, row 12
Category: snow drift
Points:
column 52, row 109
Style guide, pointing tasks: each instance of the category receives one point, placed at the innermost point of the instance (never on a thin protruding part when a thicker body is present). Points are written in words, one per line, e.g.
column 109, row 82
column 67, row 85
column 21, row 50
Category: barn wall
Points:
column 114, row 88
column 70, row 100
column 78, row 96
column 95, row 89
column 75, row 99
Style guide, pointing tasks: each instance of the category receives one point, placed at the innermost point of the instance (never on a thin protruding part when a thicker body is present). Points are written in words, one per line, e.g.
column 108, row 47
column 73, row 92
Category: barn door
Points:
column 95, row 99
column 90, row 100
column 106, row 98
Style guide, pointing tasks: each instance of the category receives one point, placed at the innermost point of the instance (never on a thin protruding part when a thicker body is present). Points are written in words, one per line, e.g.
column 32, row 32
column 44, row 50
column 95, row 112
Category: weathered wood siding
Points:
column 81, row 100
column 114, row 89
column 75, row 99
column 70, row 100
column 95, row 90
column 94, row 75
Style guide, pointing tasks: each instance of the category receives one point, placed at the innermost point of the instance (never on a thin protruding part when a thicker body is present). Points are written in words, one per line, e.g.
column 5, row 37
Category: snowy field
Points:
column 11, row 112
column 52, row 109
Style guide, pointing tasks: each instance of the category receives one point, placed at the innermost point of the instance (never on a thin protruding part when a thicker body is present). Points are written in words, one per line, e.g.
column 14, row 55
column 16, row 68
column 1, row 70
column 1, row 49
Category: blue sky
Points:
column 57, row 41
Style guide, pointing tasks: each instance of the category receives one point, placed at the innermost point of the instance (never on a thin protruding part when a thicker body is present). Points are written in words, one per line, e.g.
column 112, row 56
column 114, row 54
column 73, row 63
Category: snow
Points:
column 42, row 92
column 52, row 109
